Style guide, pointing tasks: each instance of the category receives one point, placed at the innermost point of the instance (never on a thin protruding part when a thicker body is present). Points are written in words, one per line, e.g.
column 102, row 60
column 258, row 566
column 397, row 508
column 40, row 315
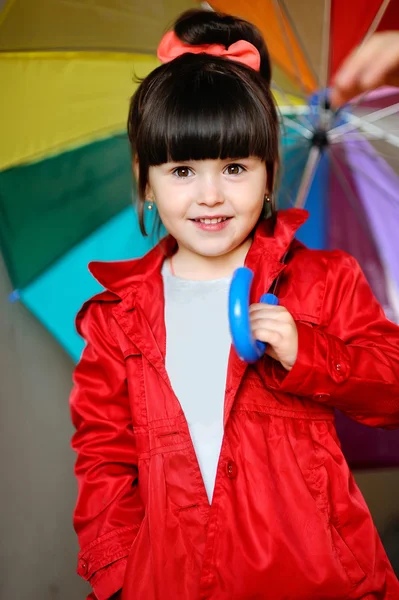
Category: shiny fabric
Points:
column 287, row 520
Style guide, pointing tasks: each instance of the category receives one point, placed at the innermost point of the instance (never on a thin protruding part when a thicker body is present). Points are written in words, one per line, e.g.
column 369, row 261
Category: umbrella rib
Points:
column 277, row 87
column 374, row 154
column 373, row 27
column 352, row 135
column 297, row 110
column 377, row 20
column 290, row 164
column 374, row 129
column 298, row 113
column 294, row 63
column 359, row 124
column 325, row 55
column 346, row 188
column 310, row 169
column 393, row 199
column 369, row 118
column 376, row 115
column 304, row 131
column 298, row 146
column 299, row 40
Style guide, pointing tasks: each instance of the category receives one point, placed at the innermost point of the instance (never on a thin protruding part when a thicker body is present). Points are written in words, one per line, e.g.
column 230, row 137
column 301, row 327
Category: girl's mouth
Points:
column 211, row 223
column 213, row 220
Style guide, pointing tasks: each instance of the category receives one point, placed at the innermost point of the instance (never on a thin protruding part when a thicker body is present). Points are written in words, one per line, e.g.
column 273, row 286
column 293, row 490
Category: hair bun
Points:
column 200, row 26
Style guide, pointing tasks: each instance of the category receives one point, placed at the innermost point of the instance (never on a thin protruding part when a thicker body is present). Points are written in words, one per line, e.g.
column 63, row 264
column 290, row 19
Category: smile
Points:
column 211, row 224
column 212, row 221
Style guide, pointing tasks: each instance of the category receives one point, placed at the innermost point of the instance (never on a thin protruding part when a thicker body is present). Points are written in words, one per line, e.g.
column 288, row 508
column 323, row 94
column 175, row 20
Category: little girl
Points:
column 202, row 477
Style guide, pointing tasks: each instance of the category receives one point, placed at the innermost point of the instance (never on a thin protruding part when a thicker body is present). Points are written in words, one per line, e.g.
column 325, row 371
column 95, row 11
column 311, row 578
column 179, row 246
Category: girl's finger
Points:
column 284, row 329
column 255, row 308
column 268, row 336
column 373, row 64
column 280, row 316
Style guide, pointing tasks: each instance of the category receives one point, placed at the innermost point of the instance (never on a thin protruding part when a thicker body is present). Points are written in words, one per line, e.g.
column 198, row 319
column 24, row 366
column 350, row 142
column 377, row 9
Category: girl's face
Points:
column 209, row 206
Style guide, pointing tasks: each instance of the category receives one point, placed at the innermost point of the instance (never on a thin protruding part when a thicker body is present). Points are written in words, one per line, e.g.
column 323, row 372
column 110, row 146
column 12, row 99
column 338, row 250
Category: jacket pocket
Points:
column 136, row 385
column 318, row 480
column 346, row 557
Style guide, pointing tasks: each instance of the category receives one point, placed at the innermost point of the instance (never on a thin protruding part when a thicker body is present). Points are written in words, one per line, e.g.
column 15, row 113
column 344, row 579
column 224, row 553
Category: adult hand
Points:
column 371, row 65
column 275, row 326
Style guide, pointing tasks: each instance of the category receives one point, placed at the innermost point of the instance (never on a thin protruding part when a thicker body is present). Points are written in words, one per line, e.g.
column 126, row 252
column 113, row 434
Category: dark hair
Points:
column 202, row 107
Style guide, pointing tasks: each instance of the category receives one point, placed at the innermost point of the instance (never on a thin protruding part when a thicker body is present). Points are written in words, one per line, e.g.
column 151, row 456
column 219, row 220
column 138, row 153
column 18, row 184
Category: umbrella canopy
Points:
column 70, row 68
column 342, row 166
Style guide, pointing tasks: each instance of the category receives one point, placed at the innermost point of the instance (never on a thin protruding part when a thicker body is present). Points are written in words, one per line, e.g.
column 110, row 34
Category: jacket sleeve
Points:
column 351, row 360
column 109, row 511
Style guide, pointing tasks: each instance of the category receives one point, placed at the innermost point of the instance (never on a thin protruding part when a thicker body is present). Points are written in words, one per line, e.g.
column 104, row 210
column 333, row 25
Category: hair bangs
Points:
column 206, row 115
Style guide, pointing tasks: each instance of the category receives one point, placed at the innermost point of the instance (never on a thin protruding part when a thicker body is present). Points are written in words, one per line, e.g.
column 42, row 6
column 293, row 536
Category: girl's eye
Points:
column 182, row 172
column 234, row 169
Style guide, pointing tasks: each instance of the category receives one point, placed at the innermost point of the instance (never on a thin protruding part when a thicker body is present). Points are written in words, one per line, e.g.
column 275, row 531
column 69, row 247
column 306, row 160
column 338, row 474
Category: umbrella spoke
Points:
column 279, row 89
column 325, row 52
column 369, row 151
column 377, row 20
column 304, row 131
column 342, row 179
column 299, row 111
column 368, row 118
column 291, row 166
column 292, row 158
column 372, row 29
column 299, row 40
column 393, row 199
column 377, row 115
column 369, row 127
column 292, row 161
column 310, row 169
column 352, row 136
column 290, row 50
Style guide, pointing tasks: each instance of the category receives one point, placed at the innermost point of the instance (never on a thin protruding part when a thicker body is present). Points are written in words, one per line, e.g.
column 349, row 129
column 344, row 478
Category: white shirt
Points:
column 197, row 351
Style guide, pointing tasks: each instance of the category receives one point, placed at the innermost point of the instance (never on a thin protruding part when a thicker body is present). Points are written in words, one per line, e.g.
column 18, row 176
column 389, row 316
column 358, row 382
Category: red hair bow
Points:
column 242, row 51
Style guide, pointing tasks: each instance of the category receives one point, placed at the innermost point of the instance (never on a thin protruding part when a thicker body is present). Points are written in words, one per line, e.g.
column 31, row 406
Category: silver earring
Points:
column 150, row 205
column 268, row 198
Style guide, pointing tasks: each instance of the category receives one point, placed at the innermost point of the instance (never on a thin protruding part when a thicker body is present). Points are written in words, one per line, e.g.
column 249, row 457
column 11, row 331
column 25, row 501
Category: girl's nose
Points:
column 211, row 193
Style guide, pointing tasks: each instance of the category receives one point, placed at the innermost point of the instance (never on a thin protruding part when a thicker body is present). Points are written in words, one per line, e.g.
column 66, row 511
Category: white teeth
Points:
column 212, row 221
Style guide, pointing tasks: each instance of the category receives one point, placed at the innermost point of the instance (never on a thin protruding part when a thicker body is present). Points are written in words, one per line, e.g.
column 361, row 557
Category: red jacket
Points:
column 287, row 520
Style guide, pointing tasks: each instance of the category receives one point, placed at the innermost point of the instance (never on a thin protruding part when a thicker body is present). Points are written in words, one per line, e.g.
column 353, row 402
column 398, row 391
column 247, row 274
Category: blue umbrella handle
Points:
column 247, row 348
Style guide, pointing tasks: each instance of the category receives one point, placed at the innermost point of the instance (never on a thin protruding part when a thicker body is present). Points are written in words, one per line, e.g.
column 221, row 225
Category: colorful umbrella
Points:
column 65, row 174
column 342, row 166
column 69, row 70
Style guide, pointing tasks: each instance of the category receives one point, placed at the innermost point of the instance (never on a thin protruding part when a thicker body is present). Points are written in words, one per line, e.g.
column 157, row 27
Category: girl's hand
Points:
column 373, row 64
column 275, row 326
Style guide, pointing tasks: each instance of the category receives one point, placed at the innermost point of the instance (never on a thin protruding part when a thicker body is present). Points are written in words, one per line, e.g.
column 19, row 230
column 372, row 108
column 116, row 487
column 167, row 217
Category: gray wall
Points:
column 37, row 542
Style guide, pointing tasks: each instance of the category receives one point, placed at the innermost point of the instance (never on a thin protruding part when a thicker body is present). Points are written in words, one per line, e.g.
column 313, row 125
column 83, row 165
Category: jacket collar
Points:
column 123, row 278
column 139, row 285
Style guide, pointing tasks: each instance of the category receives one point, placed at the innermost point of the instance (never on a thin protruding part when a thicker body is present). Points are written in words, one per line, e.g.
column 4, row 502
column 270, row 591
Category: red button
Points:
column 338, row 367
column 83, row 567
column 231, row 469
